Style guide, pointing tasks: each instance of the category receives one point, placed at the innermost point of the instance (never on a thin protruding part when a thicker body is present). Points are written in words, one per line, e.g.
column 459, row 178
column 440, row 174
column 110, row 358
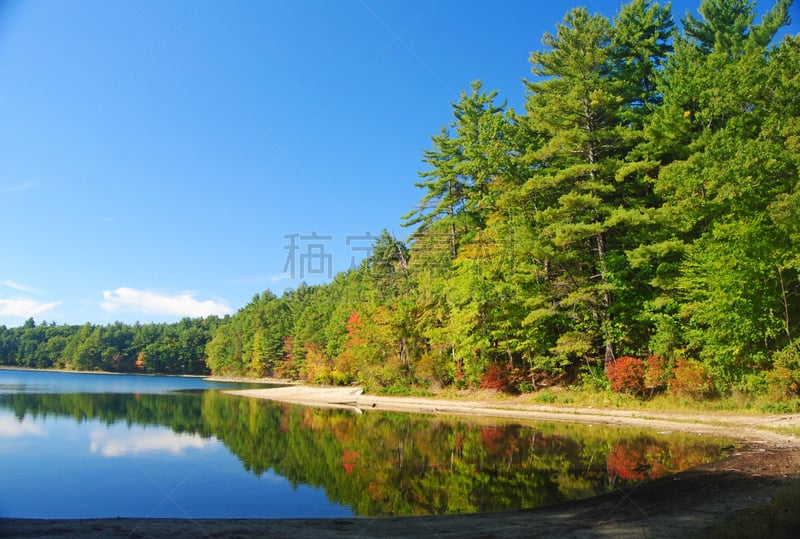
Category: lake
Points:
column 97, row 445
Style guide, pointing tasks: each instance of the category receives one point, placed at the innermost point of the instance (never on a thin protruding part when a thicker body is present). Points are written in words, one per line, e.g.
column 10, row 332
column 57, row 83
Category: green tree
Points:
column 641, row 42
column 582, row 201
column 465, row 159
column 724, row 139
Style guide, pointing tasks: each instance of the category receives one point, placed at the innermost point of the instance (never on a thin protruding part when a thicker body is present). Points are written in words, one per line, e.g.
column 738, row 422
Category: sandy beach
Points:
column 742, row 427
column 766, row 460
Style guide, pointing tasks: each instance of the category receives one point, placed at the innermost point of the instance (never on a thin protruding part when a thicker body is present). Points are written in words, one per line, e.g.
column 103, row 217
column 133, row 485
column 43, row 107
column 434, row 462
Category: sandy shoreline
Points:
column 744, row 427
column 766, row 461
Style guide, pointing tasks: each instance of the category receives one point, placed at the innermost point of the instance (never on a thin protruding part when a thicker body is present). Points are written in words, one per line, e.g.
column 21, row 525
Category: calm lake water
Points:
column 93, row 445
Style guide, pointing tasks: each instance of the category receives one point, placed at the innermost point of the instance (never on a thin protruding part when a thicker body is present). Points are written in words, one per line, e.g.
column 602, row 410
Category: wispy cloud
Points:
column 25, row 308
column 16, row 286
column 147, row 302
column 18, row 187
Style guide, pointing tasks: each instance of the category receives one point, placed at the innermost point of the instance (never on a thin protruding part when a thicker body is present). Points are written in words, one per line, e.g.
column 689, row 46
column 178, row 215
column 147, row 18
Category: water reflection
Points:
column 13, row 428
column 119, row 442
column 374, row 464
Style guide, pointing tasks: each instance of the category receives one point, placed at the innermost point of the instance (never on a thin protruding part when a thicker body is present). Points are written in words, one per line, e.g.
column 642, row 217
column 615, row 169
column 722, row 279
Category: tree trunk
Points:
column 601, row 256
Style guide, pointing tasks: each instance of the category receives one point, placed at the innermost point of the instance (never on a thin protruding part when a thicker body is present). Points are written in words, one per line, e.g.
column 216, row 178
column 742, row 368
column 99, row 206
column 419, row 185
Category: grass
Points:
column 593, row 397
column 789, row 431
column 780, row 518
column 402, row 391
column 598, row 398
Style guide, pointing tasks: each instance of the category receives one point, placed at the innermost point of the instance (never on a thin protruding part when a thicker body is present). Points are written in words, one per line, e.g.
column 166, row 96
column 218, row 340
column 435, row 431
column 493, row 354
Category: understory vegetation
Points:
column 635, row 228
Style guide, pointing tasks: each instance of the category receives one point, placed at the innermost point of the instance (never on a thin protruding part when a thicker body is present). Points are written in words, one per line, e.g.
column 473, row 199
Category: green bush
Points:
column 753, row 384
column 593, row 377
column 782, row 407
column 545, row 398
column 784, row 378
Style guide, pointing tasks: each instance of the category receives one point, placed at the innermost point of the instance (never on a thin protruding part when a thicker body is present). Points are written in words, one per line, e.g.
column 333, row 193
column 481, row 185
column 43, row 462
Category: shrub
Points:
column 502, row 377
column 626, row 375
column 546, row 398
column 656, row 376
column 397, row 390
column 782, row 383
column 495, row 377
column 691, row 379
column 782, row 407
column 520, row 380
column 525, row 387
column 754, row 383
column 593, row 377
column 340, row 378
column 784, row 378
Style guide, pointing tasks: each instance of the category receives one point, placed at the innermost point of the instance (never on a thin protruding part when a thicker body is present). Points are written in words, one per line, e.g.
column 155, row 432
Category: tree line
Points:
column 147, row 348
column 640, row 217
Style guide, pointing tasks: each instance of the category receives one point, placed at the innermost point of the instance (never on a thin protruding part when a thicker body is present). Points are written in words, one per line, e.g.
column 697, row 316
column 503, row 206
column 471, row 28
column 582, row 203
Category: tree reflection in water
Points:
column 382, row 463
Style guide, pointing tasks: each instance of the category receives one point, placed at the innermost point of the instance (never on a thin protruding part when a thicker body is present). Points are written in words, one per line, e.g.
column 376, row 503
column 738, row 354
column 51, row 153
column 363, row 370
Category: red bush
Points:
column 626, row 375
column 656, row 373
column 495, row 377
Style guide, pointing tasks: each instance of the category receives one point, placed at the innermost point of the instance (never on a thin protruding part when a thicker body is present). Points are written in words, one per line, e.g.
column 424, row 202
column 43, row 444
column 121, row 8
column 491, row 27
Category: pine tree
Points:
column 466, row 157
column 575, row 103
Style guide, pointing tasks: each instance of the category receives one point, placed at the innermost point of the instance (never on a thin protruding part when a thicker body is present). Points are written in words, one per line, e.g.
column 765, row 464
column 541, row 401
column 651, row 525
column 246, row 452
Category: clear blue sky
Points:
column 156, row 156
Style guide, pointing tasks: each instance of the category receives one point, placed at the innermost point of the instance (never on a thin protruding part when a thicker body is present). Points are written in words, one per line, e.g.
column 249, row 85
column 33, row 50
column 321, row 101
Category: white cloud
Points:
column 144, row 301
column 25, row 308
column 16, row 286
column 136, row 442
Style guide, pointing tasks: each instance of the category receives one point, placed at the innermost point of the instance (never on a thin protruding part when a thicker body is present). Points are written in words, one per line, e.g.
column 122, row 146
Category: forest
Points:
column 146, row 348
column 636, row 226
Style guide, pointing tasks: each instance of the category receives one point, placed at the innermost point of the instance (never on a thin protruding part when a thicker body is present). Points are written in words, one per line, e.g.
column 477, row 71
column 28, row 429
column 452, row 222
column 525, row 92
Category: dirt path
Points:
column 765, row 461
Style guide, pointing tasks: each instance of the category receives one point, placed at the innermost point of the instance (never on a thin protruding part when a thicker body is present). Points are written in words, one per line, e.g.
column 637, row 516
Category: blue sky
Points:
column 159, row 158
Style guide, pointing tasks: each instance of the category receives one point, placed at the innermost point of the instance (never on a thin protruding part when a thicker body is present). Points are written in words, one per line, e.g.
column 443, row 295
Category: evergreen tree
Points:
column 465, row 159
column 576, row 102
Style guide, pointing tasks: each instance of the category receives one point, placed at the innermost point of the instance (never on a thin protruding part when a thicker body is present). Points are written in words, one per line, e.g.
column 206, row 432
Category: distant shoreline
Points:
column 37, row 369
column 246, row 380
column 208, row 377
